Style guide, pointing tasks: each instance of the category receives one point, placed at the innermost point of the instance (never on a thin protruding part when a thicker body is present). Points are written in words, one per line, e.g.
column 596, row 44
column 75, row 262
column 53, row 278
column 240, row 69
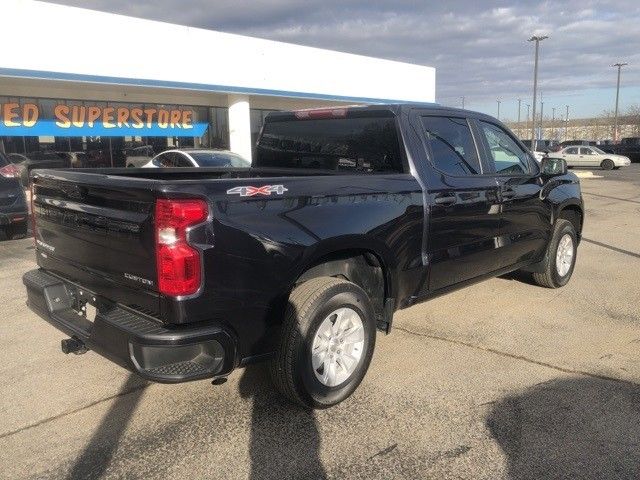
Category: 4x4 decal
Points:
column 249, row 191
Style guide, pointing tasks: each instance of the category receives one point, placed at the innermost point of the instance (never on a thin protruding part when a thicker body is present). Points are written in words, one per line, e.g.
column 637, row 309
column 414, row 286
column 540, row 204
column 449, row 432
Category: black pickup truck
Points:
column 629, row 147
column 347, row 215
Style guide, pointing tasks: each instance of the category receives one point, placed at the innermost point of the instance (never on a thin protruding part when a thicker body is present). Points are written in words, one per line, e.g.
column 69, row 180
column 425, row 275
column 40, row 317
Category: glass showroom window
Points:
column 103, row 134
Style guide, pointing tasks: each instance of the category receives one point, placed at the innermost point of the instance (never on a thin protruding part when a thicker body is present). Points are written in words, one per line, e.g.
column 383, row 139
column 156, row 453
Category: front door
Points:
column 526, row 219
column 572, row 156
column 589, row 157
column 464, row 209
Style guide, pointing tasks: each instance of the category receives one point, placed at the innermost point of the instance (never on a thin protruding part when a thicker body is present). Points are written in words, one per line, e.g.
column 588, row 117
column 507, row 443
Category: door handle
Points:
column 445, row 200
column 509, row 193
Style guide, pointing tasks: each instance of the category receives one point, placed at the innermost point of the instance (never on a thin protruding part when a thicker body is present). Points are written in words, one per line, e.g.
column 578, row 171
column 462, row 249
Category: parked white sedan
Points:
column 197, row 157
column 587, row 156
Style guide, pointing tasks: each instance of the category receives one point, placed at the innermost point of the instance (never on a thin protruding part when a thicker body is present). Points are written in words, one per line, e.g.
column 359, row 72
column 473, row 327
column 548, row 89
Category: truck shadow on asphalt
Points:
column 577, row 428
column 97, row 455
column 285, row 440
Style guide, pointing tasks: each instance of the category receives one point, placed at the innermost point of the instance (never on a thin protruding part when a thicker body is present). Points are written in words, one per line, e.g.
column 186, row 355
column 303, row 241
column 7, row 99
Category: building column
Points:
column 240, row 125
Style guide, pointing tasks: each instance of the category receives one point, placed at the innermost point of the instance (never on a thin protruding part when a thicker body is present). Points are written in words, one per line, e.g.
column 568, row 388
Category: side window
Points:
column 586, row 151
column 173, row 159
column 452, row 146
column 571, row 151
column 508, row 157
column 181, row 160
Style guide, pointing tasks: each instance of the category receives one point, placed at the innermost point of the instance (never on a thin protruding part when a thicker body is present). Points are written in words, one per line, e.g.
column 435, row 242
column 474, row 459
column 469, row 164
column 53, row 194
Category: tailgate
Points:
column 98, row 233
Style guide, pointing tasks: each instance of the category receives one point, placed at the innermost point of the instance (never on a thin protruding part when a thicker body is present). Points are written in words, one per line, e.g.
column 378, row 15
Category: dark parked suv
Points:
column 14, row 212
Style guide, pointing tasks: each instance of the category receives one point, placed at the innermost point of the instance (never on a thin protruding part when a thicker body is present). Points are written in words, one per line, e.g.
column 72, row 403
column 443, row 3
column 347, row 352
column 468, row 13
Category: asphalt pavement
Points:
column 503, row 379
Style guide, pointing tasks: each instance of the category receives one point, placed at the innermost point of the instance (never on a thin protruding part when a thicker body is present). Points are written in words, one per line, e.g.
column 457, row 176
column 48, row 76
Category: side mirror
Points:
column 553, row 166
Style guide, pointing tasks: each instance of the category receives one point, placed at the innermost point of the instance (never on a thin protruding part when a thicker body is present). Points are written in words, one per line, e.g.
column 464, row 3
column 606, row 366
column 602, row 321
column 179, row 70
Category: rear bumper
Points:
column 13, row 218
column 134, row 341
column 15, row 213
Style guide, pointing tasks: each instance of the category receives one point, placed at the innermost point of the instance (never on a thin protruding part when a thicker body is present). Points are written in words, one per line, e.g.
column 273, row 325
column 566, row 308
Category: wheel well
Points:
column 365, row 269
column 574, row 214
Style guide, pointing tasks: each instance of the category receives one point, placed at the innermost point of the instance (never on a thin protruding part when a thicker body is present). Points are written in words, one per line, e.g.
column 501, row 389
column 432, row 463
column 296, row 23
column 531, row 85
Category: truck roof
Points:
column 357, row 110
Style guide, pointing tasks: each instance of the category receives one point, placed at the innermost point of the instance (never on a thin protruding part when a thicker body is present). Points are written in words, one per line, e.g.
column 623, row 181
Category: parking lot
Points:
column 503, row 379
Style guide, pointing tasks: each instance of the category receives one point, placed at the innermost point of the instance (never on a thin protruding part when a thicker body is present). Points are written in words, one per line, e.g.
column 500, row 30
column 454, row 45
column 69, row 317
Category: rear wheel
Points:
column 326, row 344
column 560, row 259
column 607, row 164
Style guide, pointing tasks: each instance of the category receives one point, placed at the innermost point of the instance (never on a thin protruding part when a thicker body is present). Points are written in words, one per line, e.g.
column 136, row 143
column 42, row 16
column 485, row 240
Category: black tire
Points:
column 309, row 305
column 16, row 231
column 607, row 164
column 551, row 278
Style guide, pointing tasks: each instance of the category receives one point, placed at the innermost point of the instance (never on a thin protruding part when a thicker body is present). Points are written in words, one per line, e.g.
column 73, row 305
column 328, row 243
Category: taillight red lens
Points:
column 10, row 171
column 178, row 263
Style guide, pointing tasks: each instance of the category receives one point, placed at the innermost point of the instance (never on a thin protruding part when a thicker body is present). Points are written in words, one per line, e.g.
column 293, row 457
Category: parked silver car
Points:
column 198, row 158
column 589, row 156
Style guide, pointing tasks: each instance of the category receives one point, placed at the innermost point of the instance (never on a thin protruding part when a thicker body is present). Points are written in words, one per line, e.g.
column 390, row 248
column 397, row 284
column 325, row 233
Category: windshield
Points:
column 219, row 159
column 597, row 150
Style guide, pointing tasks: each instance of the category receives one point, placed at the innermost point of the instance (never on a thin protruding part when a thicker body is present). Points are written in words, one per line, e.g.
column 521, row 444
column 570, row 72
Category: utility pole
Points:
column 527, row 122
column 615, row 127
column 498, row 108
column 537, row 39
column 553, row 123
column 541, row 119
column 519, row 129
column 462, row 97
column 566, row 124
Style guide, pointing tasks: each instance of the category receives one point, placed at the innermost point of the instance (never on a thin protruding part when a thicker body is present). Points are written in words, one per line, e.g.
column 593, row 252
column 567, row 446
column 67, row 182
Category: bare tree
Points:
column 633, row 113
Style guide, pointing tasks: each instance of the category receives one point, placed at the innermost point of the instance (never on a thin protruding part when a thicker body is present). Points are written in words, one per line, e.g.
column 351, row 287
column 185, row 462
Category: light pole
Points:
column 615, row 121
column 566, row 124
column 553, row 123
column 537, row 39
column 541, row 118
column 519, row 130
column 498, row 108
column 462, row 98
column 527, row 122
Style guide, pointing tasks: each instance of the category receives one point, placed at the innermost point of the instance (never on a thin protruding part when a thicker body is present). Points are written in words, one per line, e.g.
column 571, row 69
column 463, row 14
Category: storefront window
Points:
column 104, row 134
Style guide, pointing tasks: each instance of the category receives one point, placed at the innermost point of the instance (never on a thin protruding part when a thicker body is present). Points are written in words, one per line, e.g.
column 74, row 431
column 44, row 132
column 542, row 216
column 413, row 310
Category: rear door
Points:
column 525, row 218
column 464, row 217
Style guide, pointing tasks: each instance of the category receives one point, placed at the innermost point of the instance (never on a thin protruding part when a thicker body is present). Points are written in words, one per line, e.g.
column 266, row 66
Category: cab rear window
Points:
column 359, row 145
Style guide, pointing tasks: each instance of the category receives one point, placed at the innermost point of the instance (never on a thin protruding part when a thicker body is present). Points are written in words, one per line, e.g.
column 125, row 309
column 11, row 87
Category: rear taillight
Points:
column 10, row 171
column 178, row 263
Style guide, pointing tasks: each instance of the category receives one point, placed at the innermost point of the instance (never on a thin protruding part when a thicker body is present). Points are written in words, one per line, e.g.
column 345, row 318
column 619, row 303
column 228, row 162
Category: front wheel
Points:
column 560, row 259
column 607, row 164
column 326, row 343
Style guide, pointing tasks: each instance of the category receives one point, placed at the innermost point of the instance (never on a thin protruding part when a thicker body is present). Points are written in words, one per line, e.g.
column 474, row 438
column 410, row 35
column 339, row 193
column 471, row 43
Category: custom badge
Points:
column 249, row 191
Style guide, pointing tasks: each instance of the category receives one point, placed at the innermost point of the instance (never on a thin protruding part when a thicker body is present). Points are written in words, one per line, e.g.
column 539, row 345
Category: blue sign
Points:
column 97, row 121
column 51, row 128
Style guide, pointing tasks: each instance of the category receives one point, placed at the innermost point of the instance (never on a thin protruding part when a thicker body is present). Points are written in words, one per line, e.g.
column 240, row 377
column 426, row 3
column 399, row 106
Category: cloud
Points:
column 480, row 49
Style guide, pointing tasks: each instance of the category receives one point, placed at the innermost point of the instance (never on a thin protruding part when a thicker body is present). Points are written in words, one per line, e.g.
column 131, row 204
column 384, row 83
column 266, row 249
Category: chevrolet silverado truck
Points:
column 346, row 215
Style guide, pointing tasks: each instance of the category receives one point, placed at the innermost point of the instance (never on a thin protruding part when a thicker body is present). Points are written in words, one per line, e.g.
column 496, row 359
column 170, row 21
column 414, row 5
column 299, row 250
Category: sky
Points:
column 478, row 47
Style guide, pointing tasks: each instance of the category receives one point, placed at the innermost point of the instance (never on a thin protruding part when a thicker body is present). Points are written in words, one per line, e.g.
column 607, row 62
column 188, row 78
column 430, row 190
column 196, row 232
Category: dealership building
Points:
column 77, row 80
